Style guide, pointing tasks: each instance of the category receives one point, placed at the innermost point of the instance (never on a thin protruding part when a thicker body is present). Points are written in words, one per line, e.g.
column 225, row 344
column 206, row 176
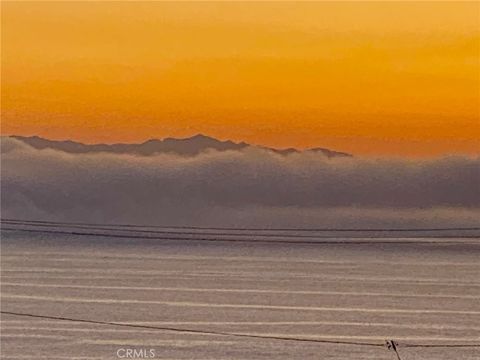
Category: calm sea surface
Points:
column 412, row 293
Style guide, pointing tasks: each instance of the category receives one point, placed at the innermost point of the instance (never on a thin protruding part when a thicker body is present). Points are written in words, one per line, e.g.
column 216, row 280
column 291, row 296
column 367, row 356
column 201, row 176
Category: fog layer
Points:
column 238, row 188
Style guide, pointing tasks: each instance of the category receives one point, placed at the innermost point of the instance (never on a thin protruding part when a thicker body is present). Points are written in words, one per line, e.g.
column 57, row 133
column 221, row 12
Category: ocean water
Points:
column 427, row 293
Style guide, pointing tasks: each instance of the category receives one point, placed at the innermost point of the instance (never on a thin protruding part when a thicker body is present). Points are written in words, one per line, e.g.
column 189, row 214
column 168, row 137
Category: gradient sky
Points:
column 364, row 77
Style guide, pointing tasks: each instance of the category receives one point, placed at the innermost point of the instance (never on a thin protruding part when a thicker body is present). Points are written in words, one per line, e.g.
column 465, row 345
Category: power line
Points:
column 193, row 331
column 245, row 240
column 250, row 228
column 179, row 232
column 164, row 232
column 243, row 335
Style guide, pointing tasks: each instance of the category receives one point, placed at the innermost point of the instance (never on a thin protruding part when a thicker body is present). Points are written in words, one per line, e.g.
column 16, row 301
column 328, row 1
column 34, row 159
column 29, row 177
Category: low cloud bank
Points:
column 238, row 188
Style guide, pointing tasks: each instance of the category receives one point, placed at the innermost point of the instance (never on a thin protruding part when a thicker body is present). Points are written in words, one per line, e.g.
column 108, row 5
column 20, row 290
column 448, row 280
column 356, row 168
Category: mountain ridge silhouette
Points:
column 188, row 146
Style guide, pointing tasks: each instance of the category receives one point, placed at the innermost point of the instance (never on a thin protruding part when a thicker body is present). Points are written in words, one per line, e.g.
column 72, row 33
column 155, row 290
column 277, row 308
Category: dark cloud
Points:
column 238, row 188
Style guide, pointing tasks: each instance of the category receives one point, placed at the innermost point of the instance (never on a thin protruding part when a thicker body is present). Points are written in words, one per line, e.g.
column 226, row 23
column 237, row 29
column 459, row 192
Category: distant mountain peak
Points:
column 201, row 136
column 189, row 146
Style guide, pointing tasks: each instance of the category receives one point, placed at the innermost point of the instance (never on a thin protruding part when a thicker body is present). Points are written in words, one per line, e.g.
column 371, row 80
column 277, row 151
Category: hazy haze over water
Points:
column 239, row 188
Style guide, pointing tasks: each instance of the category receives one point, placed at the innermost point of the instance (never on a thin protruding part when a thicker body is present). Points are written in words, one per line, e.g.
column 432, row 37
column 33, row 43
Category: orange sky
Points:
column 368, row 78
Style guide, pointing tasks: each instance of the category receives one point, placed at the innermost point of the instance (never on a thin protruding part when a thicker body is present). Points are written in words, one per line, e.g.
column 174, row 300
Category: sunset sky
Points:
column 369, row 78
